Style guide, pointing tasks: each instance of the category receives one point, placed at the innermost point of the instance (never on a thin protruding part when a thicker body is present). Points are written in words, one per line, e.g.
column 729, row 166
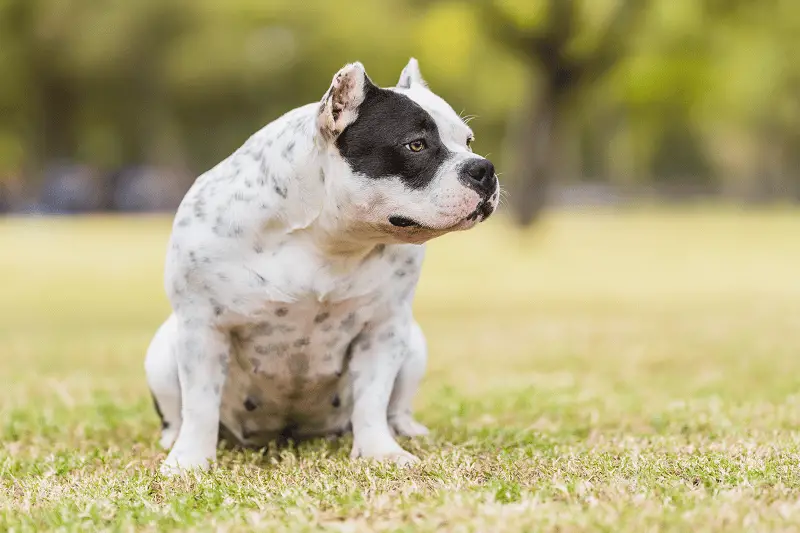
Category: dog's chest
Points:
column 290, row 353
column 300, row 341
column 290, row 372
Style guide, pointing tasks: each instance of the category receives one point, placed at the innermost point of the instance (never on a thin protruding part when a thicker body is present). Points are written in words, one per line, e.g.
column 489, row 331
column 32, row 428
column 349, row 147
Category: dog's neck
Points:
column 313, row 201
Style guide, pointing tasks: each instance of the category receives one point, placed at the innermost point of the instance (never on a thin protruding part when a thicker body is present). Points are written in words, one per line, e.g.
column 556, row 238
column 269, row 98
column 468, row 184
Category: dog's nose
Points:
column 478, row 174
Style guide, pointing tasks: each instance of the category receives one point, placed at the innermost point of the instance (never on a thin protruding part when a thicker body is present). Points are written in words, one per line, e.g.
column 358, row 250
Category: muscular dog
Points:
column 292, row 266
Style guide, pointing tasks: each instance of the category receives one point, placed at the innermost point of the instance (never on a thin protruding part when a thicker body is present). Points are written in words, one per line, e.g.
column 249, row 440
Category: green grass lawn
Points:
column 610, row 371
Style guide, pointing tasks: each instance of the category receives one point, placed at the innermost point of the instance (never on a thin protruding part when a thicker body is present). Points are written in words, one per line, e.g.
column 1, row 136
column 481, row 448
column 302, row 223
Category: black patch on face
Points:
column 374, row 145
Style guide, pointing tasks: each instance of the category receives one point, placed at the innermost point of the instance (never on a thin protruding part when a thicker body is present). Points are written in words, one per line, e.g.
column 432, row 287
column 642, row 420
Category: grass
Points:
column 611, row 371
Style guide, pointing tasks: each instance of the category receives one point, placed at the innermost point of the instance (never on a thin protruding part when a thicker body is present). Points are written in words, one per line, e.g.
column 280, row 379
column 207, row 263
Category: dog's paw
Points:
column 389, row 454
column 168, row 437
column 177, row 463
column 406, row 426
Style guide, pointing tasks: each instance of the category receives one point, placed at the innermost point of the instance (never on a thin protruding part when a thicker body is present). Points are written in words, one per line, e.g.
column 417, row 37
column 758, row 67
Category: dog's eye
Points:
column 416, row 146
column 469, row 142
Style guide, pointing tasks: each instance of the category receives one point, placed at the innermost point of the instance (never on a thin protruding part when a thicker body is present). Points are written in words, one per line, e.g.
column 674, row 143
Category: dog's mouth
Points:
column 403, row 222
column 482, row 212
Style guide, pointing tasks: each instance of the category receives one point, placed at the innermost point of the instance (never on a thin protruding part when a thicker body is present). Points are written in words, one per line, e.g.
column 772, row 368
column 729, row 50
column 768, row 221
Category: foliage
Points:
column 676, row 91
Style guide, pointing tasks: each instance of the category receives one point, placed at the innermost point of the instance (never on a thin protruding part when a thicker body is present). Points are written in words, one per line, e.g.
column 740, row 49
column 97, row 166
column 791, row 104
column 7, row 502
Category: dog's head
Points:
column 401, row 167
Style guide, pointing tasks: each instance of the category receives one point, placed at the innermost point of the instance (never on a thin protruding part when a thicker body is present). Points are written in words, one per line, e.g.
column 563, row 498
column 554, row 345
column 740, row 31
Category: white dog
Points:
column 292, row 267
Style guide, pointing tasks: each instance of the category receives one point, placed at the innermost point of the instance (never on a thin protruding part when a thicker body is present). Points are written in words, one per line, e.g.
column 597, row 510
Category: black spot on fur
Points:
column 365, row 342
column 262, row 328
column 199, row 208
column 374, row 145
column 223, row 362
column 249, row 404
column 349, row 322
column 287, row 151
column 164, row 423
column 259, row 278
column 337, row 402
column 287, row 434
column 376, row 252
column 322, row 317
column 283, row 192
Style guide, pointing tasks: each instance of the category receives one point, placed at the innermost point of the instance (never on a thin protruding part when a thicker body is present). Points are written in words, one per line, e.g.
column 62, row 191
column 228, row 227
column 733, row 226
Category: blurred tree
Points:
column 631, row 92
column 570, row 44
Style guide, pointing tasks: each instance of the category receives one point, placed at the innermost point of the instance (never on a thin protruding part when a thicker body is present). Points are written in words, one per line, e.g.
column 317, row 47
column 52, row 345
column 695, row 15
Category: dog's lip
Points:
column 403, row 222
column 416, row 226
column 482, row 210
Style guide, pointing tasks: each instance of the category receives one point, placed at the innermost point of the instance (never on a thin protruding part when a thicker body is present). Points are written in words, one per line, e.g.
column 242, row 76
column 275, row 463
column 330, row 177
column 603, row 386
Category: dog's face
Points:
column 402, row 167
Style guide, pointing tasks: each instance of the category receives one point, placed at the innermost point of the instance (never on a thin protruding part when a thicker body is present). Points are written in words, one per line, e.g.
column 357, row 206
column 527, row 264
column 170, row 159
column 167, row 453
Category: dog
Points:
column 291, row 270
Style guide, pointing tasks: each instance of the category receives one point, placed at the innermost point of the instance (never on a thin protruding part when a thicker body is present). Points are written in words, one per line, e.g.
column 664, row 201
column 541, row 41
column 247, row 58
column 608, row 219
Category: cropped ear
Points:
column 411, row 75
column 339, row 106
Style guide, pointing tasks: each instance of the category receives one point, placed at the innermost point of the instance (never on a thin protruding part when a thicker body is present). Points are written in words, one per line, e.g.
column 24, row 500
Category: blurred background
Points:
column 118, row 105
column 634, row 353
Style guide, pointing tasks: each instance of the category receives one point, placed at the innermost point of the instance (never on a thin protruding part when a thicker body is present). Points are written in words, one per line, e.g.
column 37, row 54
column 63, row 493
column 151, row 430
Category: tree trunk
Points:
column 534, row 156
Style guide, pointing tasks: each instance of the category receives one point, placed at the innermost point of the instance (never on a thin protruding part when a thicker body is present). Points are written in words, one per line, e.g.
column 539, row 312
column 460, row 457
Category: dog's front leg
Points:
column 374, row 367
column 202, row 353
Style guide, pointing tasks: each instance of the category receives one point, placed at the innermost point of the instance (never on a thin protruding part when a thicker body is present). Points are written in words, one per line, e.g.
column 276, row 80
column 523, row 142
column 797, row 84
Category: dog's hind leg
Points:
column 406, row 385
column 161, row 368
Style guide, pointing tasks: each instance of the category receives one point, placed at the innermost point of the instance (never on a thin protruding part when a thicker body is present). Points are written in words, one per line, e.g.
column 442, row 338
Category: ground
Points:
column 622, row 371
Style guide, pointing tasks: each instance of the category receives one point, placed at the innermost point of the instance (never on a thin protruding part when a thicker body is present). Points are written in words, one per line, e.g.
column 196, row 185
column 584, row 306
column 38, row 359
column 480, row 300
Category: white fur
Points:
column 281, row 265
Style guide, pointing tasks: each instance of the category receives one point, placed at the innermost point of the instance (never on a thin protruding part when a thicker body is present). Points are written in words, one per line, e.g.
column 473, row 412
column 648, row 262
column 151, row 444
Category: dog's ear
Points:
column 411, row 75
column 339, row 106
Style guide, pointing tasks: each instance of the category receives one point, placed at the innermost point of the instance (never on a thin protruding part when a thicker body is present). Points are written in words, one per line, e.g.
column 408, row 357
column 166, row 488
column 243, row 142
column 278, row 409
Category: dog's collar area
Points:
column 402, row 222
